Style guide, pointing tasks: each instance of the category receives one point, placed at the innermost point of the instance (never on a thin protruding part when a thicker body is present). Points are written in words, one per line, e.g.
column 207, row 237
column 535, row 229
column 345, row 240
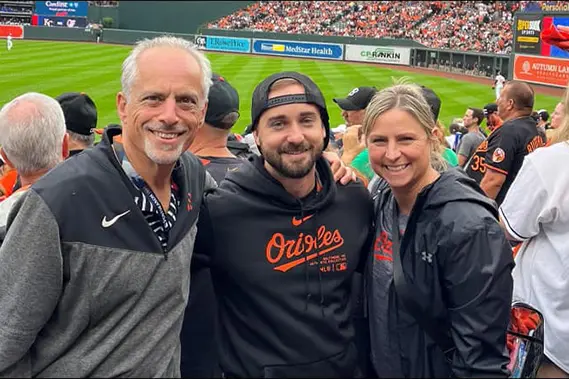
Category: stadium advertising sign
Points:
column 554, row 6
column 16, row 31
column 378, row 54
column 542, row 70
column 62, row 8
column 298, row 49
column 528, row 29
column 231, row 44
column 65, row 22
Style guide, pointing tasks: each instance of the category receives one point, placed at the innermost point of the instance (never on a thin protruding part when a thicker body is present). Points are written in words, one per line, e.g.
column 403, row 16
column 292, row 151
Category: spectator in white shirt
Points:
column 536, row 211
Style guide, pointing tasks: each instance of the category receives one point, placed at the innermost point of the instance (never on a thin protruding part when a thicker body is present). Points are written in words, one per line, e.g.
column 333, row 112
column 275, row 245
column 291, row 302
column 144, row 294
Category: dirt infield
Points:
column 543, row 90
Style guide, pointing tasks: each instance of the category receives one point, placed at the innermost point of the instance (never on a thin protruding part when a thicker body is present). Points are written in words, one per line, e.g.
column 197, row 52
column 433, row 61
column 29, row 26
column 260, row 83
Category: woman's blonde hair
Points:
column 562, row 133
column 443, row 141
column 409, row 98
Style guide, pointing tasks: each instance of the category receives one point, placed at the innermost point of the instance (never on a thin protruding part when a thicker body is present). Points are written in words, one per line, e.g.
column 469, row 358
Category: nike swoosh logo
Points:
column 297, row 222
column 106, row 224
column 233, row 169
column 289, row 265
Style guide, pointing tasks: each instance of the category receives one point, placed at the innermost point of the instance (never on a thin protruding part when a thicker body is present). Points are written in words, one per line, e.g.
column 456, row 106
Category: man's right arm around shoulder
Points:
column 205, row 238
column 31, row 276
column 203, row 246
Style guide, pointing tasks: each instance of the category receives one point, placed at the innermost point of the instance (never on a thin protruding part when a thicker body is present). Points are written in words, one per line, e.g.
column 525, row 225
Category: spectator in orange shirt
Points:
column 7, row 180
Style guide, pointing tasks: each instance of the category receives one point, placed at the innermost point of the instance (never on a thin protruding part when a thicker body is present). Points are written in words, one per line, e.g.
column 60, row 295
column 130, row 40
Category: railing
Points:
column 15, row 14
column 18, row 4
column 469, row 63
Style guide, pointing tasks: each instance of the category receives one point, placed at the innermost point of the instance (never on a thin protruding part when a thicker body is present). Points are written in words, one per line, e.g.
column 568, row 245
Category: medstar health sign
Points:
column 298, row 49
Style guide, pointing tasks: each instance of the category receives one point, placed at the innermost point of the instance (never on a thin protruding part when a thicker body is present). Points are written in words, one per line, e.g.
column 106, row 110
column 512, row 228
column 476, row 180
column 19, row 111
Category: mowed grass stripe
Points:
column 54, row 84
column 250, row 73
column 63, row 68
column 94, row 66
column 65, row 58
column 56, row 67
column 323, row 76
column 69, row 58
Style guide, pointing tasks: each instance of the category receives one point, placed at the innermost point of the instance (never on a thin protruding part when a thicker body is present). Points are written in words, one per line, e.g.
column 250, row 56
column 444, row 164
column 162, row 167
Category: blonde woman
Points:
column 446, row 152
column 439, row 280
column 540, row 218
column 556, row 119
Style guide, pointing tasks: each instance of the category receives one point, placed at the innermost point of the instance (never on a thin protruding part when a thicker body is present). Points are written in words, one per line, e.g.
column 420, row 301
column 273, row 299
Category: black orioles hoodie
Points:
column 282, row 270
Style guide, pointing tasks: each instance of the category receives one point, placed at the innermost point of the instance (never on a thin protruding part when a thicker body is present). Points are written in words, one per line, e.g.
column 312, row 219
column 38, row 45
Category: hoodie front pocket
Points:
column 341, row 365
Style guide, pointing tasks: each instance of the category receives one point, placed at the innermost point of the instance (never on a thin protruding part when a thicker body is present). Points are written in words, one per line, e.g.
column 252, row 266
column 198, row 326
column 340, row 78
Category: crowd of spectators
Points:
column 16, row 13
column 484, row 26
column 6, row 8
column 107, row 4
column 380, row 19
column 8, row 20
column 313, row 17
column 469, row 26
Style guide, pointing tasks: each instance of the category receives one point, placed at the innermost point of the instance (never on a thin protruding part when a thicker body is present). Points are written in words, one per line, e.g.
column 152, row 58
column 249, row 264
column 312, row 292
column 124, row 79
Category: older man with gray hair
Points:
column 95, row 266
column 33, row 140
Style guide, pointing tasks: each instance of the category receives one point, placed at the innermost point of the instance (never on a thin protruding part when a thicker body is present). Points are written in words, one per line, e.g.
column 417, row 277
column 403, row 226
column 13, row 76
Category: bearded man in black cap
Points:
column 80, row 119
column 284, row 276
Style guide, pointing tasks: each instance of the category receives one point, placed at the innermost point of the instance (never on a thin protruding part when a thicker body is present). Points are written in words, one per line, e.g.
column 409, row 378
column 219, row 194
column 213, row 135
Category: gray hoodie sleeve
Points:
column 31, row 278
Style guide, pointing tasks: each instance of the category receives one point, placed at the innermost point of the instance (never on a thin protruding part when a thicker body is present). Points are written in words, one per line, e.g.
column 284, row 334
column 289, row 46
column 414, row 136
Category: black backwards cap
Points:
column 80, row 112
column 490, row 108
column 433, row 100
column 311, row 95
column 223, row 99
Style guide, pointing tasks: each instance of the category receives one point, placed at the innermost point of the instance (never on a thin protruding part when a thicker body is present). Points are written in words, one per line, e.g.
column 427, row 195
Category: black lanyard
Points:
column 139, row 183
column 152, row 198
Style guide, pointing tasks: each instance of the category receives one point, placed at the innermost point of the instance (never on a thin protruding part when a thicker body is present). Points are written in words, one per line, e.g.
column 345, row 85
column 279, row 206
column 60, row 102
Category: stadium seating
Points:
column 108, row 4
column 457, row 25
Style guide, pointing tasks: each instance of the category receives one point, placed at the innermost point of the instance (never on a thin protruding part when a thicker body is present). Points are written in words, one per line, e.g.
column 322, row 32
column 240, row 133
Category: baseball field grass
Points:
column 56, row 67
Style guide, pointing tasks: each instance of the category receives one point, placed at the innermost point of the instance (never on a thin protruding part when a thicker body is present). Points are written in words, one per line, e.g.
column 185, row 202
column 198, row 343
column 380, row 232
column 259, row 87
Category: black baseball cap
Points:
column 357, row 99
column 80, row 112
column 312, row 95
column 223, row 99
column 490, row 108
column 433, row 100
column 543, row 114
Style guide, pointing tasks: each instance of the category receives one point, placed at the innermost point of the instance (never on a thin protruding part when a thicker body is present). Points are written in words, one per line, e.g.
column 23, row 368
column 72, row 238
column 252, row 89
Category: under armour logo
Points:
column 427, row 257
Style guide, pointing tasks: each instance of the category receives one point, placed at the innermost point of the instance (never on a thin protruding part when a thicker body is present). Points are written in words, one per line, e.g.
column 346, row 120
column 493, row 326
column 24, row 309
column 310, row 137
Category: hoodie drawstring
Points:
column 320, row 285
column 306, row 276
